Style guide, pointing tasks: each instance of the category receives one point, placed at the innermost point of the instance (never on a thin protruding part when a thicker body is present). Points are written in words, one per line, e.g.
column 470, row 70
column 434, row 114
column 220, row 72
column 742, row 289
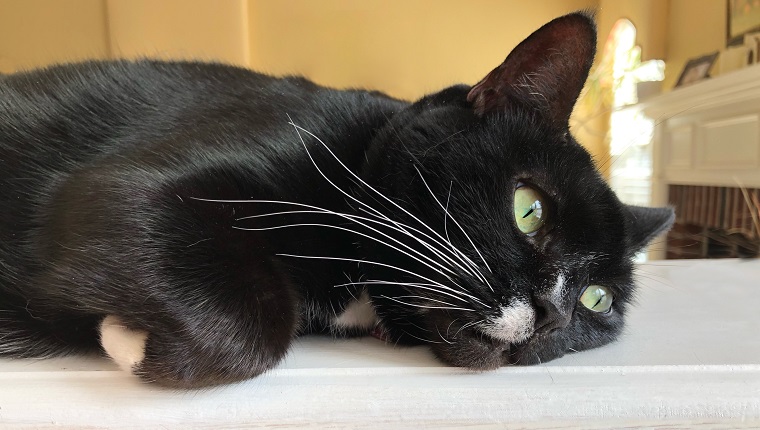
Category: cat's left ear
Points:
column 545, row 72
column 644, row 224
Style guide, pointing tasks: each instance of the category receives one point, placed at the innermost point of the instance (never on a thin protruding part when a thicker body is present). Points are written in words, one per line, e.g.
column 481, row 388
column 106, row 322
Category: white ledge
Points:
column 690, row 357
column 733, row 87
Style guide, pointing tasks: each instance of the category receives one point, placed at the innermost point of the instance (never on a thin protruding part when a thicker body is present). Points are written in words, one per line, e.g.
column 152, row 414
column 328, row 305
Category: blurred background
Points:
column 407, row 48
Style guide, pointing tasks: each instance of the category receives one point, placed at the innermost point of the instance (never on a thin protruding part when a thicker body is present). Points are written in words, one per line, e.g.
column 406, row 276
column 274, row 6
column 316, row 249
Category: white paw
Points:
column 126, row 347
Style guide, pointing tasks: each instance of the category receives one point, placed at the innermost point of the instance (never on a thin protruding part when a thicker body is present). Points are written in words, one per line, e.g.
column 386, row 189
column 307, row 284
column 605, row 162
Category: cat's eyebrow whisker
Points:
column 447, row 214
column 427, row 307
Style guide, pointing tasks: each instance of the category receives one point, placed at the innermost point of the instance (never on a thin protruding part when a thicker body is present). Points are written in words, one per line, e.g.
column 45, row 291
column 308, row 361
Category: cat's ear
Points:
column 644, row 224
column 545, row 72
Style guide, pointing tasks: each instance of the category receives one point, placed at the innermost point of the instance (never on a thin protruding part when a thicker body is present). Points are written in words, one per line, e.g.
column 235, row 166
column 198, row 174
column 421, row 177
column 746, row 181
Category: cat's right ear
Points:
column 644, row 224
column 545, row 72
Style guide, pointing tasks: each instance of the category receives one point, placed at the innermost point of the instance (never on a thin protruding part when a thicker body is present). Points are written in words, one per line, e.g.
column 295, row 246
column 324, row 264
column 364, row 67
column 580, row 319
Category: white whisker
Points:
column 443, row 338
column 350, row 231
column 447, row 214
column 397, row 226
column 353, row 260
column 426, row 299
column 428, row 307
column 468, row 325
column 297, row 127
column 361, row 221
column 437, row 288
column 419, row 338
column 437, row 251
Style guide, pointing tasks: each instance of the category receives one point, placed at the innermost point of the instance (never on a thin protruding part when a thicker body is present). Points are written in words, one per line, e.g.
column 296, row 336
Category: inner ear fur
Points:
column 545, row 72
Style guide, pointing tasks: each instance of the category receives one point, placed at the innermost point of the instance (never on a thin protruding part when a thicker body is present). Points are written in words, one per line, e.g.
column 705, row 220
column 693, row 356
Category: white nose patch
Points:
column 126, row 347
column 515, row 322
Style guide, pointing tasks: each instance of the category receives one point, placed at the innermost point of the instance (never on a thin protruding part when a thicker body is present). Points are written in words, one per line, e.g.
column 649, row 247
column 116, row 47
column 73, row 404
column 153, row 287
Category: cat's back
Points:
column 124, row 125
column 96, row 100
column 56, row 120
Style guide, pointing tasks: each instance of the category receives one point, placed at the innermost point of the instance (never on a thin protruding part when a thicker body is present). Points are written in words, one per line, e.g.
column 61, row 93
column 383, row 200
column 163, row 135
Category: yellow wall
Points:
column 403, row 47
column 695, row 28
column 650, row 18
column 35, row 33
column 179, row 29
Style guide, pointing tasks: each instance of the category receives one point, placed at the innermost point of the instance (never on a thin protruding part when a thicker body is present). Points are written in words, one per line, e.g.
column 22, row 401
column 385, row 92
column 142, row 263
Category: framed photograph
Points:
column 696, row 69
column 743, row 17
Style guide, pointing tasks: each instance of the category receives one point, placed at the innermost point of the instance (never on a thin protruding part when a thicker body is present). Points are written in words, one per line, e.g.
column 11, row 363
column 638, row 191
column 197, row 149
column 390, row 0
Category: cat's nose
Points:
column 550, row 315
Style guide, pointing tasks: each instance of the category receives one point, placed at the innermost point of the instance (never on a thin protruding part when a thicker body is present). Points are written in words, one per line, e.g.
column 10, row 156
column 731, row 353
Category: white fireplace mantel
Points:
column 707, row 133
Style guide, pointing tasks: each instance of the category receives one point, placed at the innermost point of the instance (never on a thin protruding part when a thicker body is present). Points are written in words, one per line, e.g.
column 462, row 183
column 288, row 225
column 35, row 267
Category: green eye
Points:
column 529, row 209
column 597, row 298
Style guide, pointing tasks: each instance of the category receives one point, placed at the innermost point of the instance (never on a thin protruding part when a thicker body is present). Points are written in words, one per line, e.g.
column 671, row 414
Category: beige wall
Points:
column 403, row 47
column 34, row 33
column 650, row 18
column 695, row 28
column 179, row 29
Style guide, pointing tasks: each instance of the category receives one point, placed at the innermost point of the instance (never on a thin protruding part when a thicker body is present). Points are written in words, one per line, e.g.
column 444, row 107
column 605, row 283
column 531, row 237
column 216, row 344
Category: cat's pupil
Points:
column 529, row 209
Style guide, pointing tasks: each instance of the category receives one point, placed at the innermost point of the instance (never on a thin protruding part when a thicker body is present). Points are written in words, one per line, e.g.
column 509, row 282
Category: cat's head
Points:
column 515, row 250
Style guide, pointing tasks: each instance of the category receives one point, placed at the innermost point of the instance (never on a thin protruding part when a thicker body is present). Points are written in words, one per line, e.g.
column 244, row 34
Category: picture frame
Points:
column 743, row 16
column 696, row 70
column 752, row 42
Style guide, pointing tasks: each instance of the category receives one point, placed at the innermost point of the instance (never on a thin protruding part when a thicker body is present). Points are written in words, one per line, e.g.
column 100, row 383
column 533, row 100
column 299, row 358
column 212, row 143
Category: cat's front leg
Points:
column 186, row 300
column 211, row 339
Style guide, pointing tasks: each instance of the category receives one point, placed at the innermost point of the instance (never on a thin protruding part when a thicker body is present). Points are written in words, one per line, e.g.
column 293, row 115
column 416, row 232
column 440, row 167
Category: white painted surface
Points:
column 690, row 357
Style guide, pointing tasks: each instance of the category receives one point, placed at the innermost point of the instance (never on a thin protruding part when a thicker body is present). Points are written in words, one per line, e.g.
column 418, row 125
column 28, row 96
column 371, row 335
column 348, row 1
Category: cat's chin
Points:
column 480, row 352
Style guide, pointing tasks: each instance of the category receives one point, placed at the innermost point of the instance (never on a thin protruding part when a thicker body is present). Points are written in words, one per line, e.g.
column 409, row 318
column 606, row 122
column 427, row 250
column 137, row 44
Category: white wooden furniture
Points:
column 708, row 133
column 690, row 356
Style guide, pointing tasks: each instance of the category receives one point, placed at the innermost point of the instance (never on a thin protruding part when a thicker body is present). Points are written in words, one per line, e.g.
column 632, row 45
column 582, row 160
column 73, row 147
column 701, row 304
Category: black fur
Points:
column 126, row 189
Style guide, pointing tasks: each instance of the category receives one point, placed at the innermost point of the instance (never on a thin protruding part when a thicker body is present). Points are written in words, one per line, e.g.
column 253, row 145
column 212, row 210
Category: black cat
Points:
column 191, row 219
